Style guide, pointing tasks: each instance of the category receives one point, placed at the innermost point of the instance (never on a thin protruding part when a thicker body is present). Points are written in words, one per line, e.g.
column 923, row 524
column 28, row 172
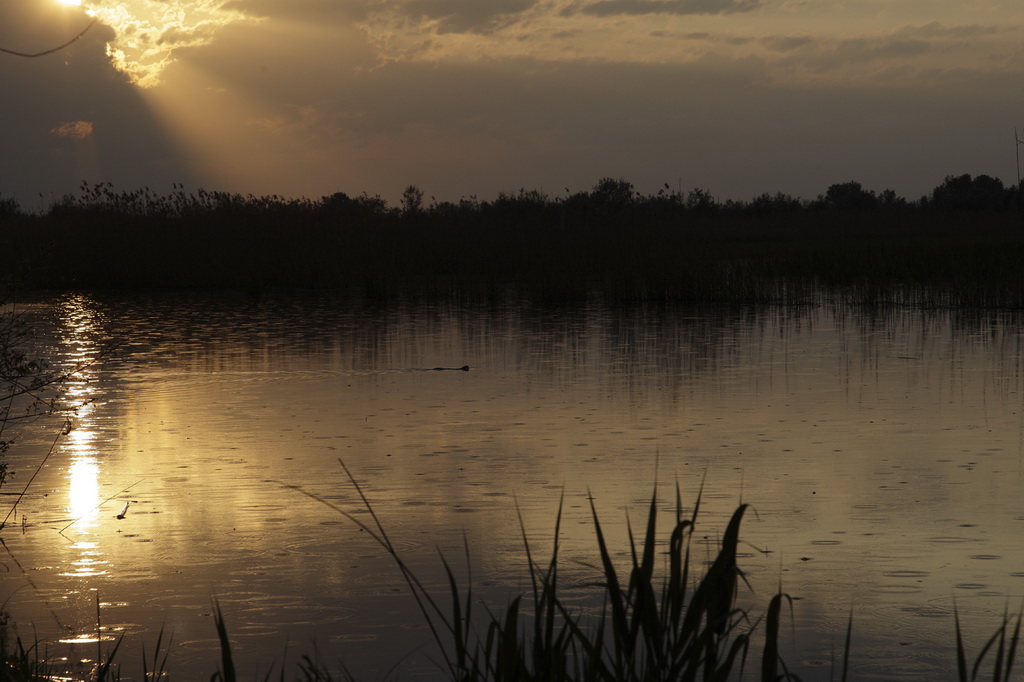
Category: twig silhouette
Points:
column 119, row 492
column 53, row 445
column 52, row 50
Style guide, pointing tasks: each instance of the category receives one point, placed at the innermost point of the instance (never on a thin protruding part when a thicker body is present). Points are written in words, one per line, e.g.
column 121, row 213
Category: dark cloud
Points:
column 937, row 30
column 466, row 16
column 76, row 130
column 886, row 49
column 459, row 127
column 823, row 56
column 303, row 104
column 29, row 26
column 787, row 43
column 604, row 8
column 288, row 63
column 524, row 95
column 71, row 117
column 323, row 113
column 719, row 124
column 448, row 16
column 908, row 42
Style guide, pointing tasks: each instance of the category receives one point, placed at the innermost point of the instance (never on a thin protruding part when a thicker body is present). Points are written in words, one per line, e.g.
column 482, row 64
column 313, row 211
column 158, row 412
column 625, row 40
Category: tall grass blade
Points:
column 159, row 664
column 770, row 655
column 642, row 596
column 1011, row 653
column 961, row 656
column 620, row 624
column 227, row 671
column 846, row 647
column 999, row 636
column 104, row 667
column 432, row 613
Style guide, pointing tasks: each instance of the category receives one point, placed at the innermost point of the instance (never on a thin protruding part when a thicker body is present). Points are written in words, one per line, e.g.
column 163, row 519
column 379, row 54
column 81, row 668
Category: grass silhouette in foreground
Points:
column 658, row 622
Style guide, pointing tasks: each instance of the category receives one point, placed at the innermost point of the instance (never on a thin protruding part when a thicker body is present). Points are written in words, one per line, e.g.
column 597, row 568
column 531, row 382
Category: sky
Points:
column 470, row 98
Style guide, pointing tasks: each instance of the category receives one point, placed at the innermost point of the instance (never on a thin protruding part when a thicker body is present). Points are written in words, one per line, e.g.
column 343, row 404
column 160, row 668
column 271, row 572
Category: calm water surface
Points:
column 881, row 455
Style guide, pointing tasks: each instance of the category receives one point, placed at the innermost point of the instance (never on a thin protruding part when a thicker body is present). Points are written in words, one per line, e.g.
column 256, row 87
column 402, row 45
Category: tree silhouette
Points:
column 412, row 200
column 53, row 49
column 964, row 193
column 611, row 191
column 848, row 196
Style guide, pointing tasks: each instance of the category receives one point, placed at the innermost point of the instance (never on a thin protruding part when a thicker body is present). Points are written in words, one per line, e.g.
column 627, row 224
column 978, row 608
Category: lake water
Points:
column 881, row 454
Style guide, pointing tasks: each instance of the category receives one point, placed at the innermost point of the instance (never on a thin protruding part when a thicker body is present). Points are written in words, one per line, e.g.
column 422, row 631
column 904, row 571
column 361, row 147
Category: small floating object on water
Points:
column 124, row 510
column 464, row 368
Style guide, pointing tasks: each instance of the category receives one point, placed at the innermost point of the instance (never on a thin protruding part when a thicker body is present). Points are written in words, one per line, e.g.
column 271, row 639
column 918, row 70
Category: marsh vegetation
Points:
column 662, row 613
column 960, row 246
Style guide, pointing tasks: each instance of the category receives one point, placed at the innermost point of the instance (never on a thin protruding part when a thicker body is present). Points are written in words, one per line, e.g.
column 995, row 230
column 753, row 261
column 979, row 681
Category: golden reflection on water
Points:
column 77, row 337
column 863, row 450
column 84, row 491
column 89, row 562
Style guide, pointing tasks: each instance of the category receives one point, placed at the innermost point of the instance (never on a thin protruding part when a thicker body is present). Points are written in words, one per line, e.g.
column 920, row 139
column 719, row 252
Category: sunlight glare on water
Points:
column 881, row 453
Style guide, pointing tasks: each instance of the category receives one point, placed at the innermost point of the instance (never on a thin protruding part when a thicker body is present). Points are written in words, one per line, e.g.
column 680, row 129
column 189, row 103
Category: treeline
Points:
column 960, row 245
column 956, row 193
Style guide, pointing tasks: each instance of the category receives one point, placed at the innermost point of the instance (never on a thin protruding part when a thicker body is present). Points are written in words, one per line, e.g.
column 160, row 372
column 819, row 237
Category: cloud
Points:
column 938, row 30
column 859, row 50
column 284, row 63
column 466, row 16
column 69, row 96
column 823, row 55
column 76, row 130
column 175, row 35
column 907, row 52
column 346, row 121
column 308, row 108
column 604, row 8
column 460, row 97
column 440, row 16
column 787, row 43
column 304, row 11
column 147, row 33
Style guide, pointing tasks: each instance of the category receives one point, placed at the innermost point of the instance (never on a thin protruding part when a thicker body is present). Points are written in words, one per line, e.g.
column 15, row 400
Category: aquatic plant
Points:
column 958, row 248
column 652, row 628
column 1005, row 641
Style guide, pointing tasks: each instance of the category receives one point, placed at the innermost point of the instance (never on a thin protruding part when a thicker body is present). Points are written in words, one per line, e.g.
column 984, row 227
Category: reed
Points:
column 608, row 242
column 1005, row 640
column 655, row 624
